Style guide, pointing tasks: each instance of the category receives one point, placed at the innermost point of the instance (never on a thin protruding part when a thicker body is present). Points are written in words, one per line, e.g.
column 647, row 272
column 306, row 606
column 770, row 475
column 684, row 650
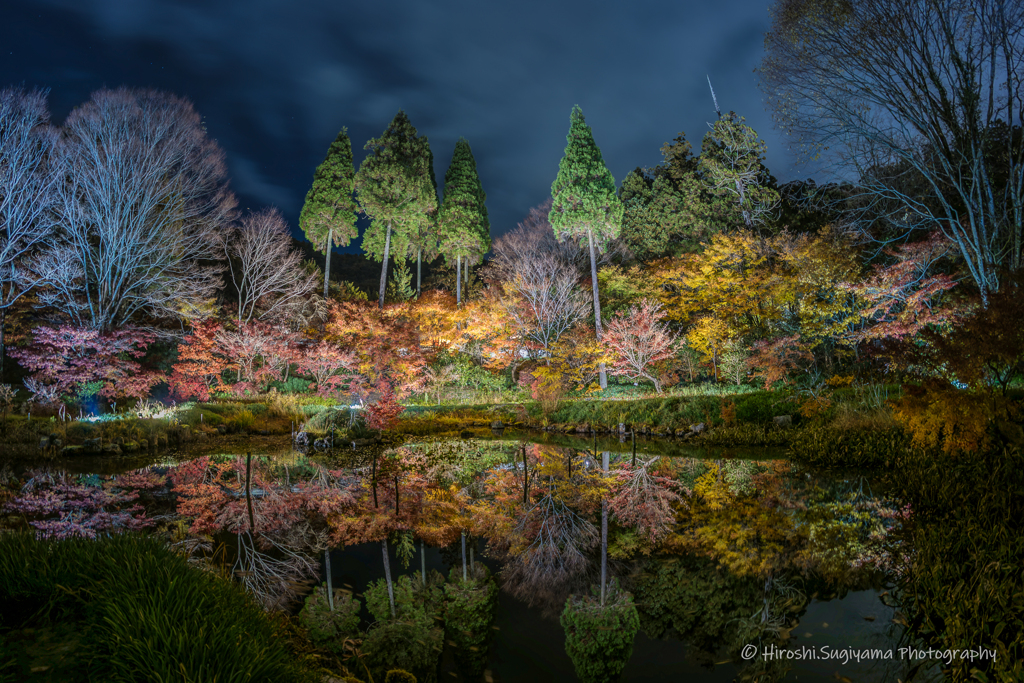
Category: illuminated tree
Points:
column 732, row 164
column 266, row 272
column 638, row 341
column 462, row 221
column 141, row 206
column 77, row 362
column 920, row 102
column 585, row 202
column 29, row 172
column 394, row 189
column 328, row 217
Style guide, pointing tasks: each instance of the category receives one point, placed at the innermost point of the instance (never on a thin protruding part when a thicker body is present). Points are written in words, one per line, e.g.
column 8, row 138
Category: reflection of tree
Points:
column 550, row 550
column 713, row 609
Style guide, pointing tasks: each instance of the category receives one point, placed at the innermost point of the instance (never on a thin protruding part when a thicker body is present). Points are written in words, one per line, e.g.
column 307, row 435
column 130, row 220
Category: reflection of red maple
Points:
column 383, row 413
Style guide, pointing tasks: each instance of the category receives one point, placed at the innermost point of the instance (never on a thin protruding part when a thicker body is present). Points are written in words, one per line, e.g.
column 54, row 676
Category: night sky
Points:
column 276, row 81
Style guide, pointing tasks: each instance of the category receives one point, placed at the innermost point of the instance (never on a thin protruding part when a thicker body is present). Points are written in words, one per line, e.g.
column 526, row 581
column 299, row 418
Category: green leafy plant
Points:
column 599, row 639
column 469, row 613
column 328, row 629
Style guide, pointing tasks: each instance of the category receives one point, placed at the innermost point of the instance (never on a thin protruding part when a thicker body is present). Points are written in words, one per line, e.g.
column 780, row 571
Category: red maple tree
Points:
column 638, row 342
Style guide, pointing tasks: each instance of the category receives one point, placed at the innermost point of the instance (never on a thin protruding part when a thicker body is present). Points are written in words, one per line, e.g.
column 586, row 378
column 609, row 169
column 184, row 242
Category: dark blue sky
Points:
column 275, row 81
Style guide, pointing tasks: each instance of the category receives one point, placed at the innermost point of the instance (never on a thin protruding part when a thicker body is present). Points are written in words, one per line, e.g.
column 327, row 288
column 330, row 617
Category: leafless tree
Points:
column 918, row 102
column 28, row 182
column 540, row 277
column 141, row 205
column 266, row 272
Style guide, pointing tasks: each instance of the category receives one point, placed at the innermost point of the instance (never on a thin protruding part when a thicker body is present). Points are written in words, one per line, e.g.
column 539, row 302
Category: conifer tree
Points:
column 462, row 222
column 328, row 217
column 394, row 189
column 585, row 202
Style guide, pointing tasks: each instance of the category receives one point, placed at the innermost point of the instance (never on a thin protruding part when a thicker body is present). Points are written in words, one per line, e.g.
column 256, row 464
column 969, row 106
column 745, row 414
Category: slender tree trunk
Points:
column 327, row 260
column 419, row 269
column 384, row 268
column 602, row 377
column 604, row 533
column 3, row 347
column 526, row 481
column 423, row 560
column 458, row 280
column 387, row 576
column 327, row 571
column 248, row 493
column 463, row 555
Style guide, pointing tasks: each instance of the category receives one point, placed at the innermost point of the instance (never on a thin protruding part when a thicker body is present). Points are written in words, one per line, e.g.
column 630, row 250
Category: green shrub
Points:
column 145, row 613
column 599, row 639
column 469, row 613
column 242, row 421
column 410, row 641
column 762, row 406
column 328, row 629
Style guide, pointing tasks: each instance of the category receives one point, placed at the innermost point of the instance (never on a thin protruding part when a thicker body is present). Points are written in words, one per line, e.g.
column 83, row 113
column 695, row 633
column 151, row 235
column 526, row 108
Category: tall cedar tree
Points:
column 394, row 189
column 423, row 242
column 585, row 202
column 328, row 217
column 462, row 221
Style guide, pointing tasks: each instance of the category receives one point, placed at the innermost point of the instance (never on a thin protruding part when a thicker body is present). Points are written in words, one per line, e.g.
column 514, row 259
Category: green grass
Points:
column 144, row 614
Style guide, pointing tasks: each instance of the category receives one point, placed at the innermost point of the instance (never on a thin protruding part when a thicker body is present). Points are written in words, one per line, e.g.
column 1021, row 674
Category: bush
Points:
column 469, row 613
column 145, row 613
column 599, row 639
column 410, row 641
column 242, row 421
column 328, row 630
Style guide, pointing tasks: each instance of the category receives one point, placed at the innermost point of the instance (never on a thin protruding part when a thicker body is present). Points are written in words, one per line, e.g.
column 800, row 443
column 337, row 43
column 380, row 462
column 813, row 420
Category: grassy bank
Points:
column 125, row 608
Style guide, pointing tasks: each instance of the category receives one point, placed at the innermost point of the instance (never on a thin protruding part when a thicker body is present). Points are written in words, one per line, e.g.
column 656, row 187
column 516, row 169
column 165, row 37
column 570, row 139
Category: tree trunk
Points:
column 387, row 576
column 526, row 481
column 248, row 493
column 3, row 347
column 602, row 377
column 458, row 280
column 327, row 260
column 327, row 571
column 419, row 269
column 384, row 268
column 423, row 561
column 604, row 533
column 463, row 555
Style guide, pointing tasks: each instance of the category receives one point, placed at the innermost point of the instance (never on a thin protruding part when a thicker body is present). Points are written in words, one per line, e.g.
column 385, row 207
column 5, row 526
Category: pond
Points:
column 762, row 570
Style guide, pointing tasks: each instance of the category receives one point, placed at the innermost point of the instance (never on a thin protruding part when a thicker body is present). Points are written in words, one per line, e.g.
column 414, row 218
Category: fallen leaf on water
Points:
column 825, row 625
column 37, row 669
column 869, row 618
column 808, row 635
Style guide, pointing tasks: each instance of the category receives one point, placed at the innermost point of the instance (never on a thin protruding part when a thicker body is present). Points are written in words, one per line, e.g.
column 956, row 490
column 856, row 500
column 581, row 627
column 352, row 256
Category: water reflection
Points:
column 718, row 553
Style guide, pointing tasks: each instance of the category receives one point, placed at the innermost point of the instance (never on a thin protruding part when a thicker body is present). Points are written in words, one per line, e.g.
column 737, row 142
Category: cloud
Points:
column 276, row 81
